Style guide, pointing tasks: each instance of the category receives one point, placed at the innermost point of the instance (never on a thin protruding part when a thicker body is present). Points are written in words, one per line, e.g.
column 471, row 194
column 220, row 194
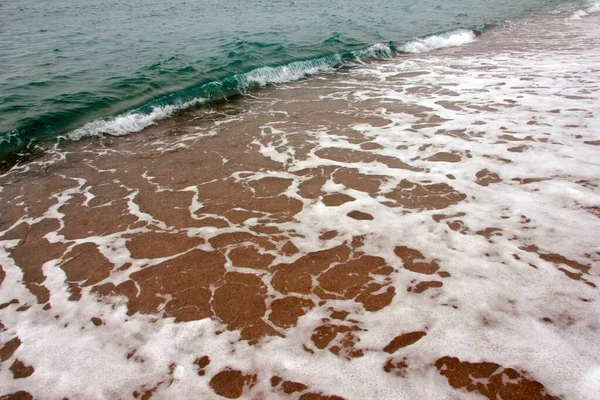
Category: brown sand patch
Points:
column 232, row 383
column 223, row 196
column 374, row 299
column 371, row 146
column 20, row 395
column 403, row 340
column 353, row 280
column 423, row 286
column 225, row 240
column 444, row 157
column 592, row 142
column 440, row 217
column 250, row 257
column 20, row 370
column 319, row 396
column 37, row 198
column 485, row 177
column 297, row 276
column 517, row 149
column 275, row 380
column 356, row 156
column 289, row 248
column 415, row 261
column 202, row 363
column 8, row 303
column 85, row 266
column 527, row 181
column 186, row 278
column 33, row 252
column 397, row 366
column 270, row 186
column 285, row 312
column 339, row 339
column 311, row 188
column 341, row 315
column 450, row 105
column 424, row 197
column 160, row 244
column 328, row 235
column 489, row 232
column 356, row 180
column 240, row 304
column 83, row 221
column 361, row 216
column 337, row 199
column 592, row 210
column 558, row 259
column 512, row 138
column 9, row 348
column 32, row 233
column 504, row 383
column 347, row 280
column 290, row 387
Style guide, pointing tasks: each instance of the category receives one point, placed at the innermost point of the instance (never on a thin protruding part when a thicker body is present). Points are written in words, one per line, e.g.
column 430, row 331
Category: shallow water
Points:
column 66, row 64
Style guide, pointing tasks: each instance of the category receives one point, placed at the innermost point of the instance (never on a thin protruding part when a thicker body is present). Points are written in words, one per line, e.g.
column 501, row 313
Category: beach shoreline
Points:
column 423, row 226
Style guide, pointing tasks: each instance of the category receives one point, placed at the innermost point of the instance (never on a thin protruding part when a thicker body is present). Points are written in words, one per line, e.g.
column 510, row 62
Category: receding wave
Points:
column 149, row 114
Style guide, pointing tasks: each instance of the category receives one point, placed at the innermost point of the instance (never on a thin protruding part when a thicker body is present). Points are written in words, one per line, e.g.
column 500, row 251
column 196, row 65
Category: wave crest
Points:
column 137, row 120
column 434, row 42
column 593, row 8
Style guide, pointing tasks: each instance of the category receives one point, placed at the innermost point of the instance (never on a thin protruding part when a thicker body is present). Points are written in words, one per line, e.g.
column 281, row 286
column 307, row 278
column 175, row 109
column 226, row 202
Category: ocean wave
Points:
column 376, row 51
column 434, row 42
column 151, row 113
column 130, row 122
column 137, row 120
column 286, row 73
column 591, row 9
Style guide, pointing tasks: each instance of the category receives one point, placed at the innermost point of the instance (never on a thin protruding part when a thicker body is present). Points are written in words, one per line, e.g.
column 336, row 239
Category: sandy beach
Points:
column 425, row 226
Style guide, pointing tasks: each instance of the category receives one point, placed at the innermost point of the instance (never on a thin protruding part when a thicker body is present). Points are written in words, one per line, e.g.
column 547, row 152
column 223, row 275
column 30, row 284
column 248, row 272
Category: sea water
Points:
column 86, row 68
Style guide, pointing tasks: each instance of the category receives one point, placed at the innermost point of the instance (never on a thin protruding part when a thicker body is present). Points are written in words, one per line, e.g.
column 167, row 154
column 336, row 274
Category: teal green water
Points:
column 76, row 65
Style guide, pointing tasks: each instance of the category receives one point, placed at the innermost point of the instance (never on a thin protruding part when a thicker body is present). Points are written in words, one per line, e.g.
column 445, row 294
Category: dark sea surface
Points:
column 87, row 68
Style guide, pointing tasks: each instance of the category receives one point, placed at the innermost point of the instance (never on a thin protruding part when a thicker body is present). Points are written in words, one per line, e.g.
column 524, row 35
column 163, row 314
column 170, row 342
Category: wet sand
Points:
column 424, row 226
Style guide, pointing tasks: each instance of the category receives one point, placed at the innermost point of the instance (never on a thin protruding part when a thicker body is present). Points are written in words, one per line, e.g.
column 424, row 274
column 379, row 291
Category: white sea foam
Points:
column 130, row 122
column 449, row 39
